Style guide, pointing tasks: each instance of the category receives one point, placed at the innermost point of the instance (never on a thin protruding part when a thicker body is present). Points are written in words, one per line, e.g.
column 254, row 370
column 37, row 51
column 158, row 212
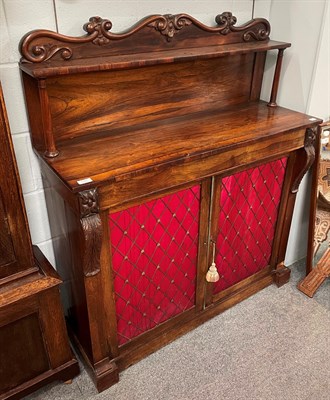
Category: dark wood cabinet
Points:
column 16, row 250
column 34, row 346
column 177, row 183
column 7, row 255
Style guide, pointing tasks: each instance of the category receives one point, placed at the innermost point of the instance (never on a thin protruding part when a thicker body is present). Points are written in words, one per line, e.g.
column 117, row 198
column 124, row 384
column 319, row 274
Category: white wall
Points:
column 304, row 84
column 319, row 98
column 288, row 19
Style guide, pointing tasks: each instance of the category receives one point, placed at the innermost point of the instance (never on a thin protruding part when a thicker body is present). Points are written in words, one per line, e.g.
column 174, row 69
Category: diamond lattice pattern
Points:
column 249, row 207
column 154, row 257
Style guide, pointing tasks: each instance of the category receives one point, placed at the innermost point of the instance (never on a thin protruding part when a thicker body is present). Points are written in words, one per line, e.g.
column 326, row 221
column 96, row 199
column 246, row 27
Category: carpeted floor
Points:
column 273, row 346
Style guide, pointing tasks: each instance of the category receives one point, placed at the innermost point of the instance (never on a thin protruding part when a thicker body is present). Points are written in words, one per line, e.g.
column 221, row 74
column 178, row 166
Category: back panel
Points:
column 87, row 103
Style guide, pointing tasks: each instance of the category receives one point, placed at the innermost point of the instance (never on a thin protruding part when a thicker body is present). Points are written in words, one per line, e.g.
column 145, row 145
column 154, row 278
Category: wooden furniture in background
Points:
column 34, row 347
column 317, row 276
column 167, row 171
column 318, row 256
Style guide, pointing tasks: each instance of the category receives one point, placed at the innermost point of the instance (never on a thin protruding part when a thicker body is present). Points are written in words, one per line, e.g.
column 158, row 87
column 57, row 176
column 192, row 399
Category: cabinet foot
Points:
column 105, row 376
column 104, row 373
column 68, row 382
column 281, row 275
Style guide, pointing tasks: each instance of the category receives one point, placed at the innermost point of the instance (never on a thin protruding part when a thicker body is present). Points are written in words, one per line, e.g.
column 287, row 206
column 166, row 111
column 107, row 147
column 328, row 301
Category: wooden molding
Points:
column 42, row 45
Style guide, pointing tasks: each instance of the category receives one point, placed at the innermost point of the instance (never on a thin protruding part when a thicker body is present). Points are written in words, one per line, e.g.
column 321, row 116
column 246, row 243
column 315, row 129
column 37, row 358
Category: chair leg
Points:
column 317, row 276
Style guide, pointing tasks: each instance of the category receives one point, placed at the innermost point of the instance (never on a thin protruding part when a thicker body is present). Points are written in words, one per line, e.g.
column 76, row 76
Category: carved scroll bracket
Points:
column 309, row 147
column 92, row 231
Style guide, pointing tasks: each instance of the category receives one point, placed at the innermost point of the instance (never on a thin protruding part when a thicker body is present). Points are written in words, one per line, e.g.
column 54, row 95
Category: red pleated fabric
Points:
column 249, row 207
column 154, row 257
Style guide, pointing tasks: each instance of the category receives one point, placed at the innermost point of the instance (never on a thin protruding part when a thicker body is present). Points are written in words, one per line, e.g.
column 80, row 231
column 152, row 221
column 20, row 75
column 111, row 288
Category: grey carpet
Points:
column 273, row 346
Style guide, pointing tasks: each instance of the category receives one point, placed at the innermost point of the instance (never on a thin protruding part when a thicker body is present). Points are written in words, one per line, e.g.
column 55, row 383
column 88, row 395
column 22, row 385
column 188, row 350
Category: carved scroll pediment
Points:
column 168, row 25
column 43, row 45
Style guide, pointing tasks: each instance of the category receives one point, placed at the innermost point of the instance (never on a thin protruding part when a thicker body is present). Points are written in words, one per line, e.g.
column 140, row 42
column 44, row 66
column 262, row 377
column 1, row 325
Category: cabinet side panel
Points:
column 22, row 352
column 249, row 204
column 154, row 257
column 65, row 227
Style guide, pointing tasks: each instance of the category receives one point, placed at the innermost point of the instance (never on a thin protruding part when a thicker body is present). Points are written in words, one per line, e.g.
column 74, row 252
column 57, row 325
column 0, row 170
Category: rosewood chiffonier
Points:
column 175, row 183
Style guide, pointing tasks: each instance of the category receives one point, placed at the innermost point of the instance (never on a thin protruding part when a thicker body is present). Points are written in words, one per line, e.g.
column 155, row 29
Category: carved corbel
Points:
column 309, row 147
column 92, row 230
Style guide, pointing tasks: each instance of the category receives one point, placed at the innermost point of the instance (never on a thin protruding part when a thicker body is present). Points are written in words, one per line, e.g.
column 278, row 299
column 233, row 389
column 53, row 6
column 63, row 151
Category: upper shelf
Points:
column 157, row 39
column 178, row 138
column 117, row 62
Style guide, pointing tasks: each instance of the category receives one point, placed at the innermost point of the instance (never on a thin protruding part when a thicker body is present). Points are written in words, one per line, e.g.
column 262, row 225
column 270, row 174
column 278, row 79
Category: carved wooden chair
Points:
column 319, row 238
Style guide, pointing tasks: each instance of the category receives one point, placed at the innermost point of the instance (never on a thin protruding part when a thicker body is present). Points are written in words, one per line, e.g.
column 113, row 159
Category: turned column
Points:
column 276, row 79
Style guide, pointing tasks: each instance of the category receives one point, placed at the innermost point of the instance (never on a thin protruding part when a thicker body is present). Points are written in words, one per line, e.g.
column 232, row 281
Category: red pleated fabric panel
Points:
column 249, row 208
column 154, row 257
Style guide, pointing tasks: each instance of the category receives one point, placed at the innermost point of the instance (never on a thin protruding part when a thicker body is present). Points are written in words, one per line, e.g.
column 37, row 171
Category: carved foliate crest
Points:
column 168, row 25
column 99, row 27
column 226, row 20
column 257, row 29
column 42, row 45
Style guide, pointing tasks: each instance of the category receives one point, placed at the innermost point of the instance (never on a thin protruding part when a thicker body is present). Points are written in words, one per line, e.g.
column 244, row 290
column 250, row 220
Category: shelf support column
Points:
column 276, row 79
column 46, row 116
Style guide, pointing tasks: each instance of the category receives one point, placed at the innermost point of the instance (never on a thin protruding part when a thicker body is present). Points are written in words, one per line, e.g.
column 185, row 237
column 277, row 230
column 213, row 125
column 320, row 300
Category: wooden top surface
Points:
column 117, row 154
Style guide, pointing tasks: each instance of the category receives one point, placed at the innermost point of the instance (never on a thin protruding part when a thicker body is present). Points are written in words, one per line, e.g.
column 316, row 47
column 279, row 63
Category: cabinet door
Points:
column 154, row 259
column 244, row 222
